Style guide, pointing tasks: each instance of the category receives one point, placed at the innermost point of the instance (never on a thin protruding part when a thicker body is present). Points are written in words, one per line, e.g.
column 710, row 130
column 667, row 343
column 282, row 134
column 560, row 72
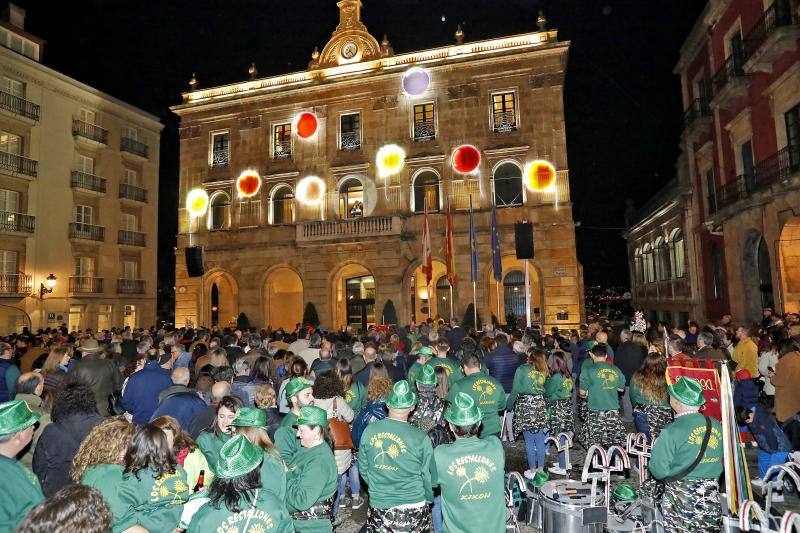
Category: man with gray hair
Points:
column 255, row 350
column 178, row 400
column 312, row 352
column 242, row 385
column 629, row 358
column 705, row 349
column 325, row 362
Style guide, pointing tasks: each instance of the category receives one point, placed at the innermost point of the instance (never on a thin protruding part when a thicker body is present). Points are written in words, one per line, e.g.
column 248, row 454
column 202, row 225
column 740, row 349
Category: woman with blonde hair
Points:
column 530, row 409
column 187, row 453
column 252, row 423
column 105, row 444
column 55, row 367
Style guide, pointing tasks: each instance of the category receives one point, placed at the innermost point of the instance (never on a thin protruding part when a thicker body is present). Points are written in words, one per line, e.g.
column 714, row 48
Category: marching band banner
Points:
column 709, row 379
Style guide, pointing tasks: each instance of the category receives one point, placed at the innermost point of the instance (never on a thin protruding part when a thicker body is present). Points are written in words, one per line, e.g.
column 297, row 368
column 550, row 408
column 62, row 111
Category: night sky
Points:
column 623, row 103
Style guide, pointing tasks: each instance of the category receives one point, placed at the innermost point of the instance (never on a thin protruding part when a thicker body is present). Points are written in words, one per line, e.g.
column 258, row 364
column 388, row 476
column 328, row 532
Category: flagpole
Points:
column 451, row 300
column 497, row 297
column 527, row 297
column 474, row 307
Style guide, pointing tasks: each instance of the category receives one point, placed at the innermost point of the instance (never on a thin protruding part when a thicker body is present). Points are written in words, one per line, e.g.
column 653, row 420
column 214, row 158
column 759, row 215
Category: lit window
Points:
column 424, row 124
column 504, row 112
column 220, row 149
column 350, row 131
column 282, row 141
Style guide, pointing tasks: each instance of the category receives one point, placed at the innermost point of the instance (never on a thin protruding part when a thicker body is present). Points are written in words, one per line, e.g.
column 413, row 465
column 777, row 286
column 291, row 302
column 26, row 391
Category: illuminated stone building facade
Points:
column 351, row 241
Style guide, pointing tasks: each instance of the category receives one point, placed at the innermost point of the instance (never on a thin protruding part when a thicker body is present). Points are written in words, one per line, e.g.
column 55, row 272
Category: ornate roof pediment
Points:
column 350, row 42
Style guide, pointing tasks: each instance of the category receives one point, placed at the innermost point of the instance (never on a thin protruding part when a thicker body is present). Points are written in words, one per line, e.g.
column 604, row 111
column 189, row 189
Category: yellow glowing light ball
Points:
column 390, row 160
column 310, row 190
column 248, row 183
column 540, row 175
column 197, row 202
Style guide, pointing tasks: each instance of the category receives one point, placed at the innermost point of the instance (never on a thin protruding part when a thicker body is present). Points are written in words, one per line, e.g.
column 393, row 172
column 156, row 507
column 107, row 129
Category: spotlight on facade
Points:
column 416, row 81
column 310, row 190
column 197, row 202
column 390, row 160
column 305, row 125
column 248, row 184
column 540, row 175
column 466, row 159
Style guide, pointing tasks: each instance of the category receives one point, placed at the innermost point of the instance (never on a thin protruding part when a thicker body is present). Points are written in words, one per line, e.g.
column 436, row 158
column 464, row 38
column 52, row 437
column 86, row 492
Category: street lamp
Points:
column 48, row 288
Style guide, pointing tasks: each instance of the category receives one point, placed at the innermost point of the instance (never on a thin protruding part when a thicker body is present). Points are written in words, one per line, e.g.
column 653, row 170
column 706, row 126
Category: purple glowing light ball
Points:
column 416, row 81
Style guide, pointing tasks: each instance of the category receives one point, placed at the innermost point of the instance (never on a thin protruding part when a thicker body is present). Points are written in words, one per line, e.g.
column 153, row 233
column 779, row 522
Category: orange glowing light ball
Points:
column 305, row 125
column 466, row 158
column 248, row 183
column 540, row 175
column 197, row 202
column 310, row 190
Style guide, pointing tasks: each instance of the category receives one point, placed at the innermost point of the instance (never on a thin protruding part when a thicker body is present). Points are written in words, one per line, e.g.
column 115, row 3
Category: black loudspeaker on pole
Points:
column 523, row 240
column 194, row 261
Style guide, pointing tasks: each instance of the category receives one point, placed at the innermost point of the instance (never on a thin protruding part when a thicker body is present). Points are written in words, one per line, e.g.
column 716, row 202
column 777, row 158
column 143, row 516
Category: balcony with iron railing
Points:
column 87, row 232
column 131, row 238
column 11, row 222
column 220, row 158
column 19, row 106
column 772, row 170
column 351, row 140
column 775, row 33
column 504, row 122
column 11, row 284
column 130, row 286
column 424, row 131
column 88, row 182
column 85, row 285
column 335, row 230
column 132, row 192
column 132, row 146
column 282, row 149
column 14, row 165
column 88, row 131
column 730, row 82
column 696, row 118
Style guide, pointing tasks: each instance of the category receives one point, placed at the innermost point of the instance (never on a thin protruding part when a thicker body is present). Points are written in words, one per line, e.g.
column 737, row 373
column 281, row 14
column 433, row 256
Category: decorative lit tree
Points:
column 389, row 313
column 310, row 316
column 242, row 322
column 469, row 318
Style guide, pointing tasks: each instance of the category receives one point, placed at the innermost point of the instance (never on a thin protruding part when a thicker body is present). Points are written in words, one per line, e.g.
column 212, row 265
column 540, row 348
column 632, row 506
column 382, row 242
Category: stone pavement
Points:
column 515, row 460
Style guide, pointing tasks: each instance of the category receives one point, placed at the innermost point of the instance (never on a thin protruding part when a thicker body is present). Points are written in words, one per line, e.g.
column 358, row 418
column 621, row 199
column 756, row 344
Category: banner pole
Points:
column 497, row 297
column 451, row 301
column 474, row 307
column 527, row 297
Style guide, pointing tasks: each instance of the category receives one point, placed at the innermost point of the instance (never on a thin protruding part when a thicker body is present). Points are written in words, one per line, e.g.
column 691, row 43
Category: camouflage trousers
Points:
column 658, row 416
column 692, row 505
column 604, row 428
column 319, row 511
column 394, row 520
column 530, row 414
column 561, row 419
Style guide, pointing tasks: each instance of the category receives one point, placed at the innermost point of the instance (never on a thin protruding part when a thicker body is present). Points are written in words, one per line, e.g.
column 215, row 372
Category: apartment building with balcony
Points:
column 78, row 196
column 348, row 239
column 739, row 70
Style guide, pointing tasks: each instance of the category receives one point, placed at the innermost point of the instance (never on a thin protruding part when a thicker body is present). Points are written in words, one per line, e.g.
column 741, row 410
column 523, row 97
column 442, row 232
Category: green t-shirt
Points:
column 558, row 387
column 394, row 459
column 527, row 380
column 679, row 444
column 471, row 474
column 356, row 396
column 413, row 372
column 273, row 474
column 286, row 438
column 19, row 492
column 638, row 397
column 268, row 515
column 312, row 478
column 452, row 368
column 210, row 445
column 489, row 396
column 602, row 381
column 155, row 504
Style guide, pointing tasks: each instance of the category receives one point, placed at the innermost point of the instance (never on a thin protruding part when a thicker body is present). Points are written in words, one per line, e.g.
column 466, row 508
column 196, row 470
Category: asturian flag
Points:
column 427, row 258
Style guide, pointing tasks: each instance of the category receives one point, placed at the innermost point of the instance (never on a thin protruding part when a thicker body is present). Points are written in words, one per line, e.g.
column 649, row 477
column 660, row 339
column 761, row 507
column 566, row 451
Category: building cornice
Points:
column 436, row 57
column 694, row 41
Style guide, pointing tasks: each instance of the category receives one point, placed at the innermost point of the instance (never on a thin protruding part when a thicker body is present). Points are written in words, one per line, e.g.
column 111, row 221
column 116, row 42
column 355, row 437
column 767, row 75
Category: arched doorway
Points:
column 507, row 182
column 282, row 200
column 426, row 192
column 283, row 299
column 789, row 245
column 220, row 303
column 443, row 299
column 219, row 212
column 351, row 199
column 354, row 297
column 512, row 290
column 756, row 275
column 425, row 300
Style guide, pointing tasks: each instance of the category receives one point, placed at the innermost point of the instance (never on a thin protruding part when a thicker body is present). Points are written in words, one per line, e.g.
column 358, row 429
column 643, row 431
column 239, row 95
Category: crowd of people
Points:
column 215, row 429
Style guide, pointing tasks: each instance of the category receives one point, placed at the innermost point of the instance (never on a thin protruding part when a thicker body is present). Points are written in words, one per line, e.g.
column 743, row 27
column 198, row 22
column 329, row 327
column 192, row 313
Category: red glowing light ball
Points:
column 306, row 125
column 248, row 183
column 466, row 158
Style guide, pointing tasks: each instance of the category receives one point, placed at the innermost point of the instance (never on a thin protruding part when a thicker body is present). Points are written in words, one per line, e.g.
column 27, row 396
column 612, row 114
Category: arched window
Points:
column 443, row 297
column 219, row 212
column 514, row 294
column 507, row 185
column 678, row 254
column 649, row 264
column 637, row 266
column 662, row 259
column 764, row 274
column 282, row 205
column 716, row 272
column 351, row 199
column 426, row 192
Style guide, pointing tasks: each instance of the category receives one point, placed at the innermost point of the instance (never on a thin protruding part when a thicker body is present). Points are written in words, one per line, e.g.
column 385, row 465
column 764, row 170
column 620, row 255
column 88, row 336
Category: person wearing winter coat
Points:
column 179, row 401
column 73, row 417
column 773, row 444
column 140, row 398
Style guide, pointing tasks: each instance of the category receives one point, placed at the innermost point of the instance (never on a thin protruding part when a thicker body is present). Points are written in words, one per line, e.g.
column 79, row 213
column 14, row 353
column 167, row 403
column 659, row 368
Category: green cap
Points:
column 539, row 478
column 401, row 396
column 250, row 417
column 295, row 386
column 16, row 416
column 463, row 411
column 426, row 351
column 688, row 391
column 427, row 375
column 625, row 491
column 312, row 416
column 238, row 457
